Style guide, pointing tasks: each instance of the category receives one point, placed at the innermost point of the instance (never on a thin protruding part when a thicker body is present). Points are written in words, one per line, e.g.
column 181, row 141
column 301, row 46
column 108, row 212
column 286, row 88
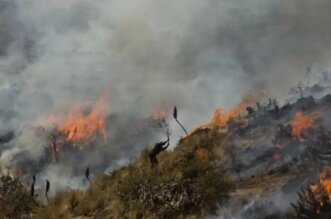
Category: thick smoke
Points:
column 196, row 54
column 199, row 55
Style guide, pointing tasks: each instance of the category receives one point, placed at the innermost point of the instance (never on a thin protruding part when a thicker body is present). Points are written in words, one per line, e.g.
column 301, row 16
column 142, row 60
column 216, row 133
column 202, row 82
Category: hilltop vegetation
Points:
column 188, row 182
column 15, row 200
column 213, row 170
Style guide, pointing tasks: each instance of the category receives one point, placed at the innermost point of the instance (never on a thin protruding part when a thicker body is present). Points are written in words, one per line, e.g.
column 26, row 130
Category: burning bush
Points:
column 300, row 125
column 70, row 134
column 221, row 118
column 312, row 204
column 315, row 200
column 80, row 127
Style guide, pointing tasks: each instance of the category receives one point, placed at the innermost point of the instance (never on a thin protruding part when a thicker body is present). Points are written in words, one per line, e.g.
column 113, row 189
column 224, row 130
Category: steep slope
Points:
column 188, row 182
column 250, row 168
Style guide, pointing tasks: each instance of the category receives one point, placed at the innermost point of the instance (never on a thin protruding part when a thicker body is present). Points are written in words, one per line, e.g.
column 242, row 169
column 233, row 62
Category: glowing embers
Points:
column 301, row 124
column 322, row 190
column 324, row 182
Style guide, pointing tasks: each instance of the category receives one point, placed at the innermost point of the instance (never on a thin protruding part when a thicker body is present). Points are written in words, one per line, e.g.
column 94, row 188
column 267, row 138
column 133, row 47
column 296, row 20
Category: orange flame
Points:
column 323, row 186
column 325, row 181
column 300, row 125
column 221, row 117
column 80, row 127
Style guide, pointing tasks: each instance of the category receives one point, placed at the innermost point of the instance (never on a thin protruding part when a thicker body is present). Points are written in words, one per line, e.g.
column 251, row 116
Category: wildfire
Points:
column 323, row 187
column 325, row 182
column 300, row 125
column 80, row 127
column 221, row 117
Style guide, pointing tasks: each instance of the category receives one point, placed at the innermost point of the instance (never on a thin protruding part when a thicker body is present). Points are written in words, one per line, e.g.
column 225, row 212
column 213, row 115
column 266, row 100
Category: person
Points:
column 158, row 148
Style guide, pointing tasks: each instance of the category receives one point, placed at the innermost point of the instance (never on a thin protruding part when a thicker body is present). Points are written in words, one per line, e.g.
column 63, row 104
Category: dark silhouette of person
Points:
column 158, row 148
column 32, row 186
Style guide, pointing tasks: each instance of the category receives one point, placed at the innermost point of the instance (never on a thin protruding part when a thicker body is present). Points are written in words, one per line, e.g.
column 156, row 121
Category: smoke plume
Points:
column 195, row 54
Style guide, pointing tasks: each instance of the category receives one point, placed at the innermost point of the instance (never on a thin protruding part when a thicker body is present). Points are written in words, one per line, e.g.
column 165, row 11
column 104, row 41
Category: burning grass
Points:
column 324, row 182
column 322, row 193
column 221, row 117
column 189, row 182
column 313, row 203
column 80, row 127
column 301, row 124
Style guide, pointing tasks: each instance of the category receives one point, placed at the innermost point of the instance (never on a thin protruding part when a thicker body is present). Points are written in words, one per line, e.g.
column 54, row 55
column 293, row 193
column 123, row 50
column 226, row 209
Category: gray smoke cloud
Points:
column 199, row 55
column 196, row 54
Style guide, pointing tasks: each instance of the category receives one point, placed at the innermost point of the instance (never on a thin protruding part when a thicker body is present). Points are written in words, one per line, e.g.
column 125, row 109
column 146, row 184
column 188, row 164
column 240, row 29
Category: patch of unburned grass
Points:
column 188, row 182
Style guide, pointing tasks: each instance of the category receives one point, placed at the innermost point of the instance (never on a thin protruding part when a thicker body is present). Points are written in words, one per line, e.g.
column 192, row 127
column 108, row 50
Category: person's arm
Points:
column 166, row 146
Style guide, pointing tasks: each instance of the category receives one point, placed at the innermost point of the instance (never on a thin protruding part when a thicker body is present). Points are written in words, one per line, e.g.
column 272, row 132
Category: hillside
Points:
column 252, row 168
column 188, row 182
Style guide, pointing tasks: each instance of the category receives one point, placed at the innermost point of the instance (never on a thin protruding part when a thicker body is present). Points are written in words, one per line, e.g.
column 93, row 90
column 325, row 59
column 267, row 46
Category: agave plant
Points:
column 312, row 204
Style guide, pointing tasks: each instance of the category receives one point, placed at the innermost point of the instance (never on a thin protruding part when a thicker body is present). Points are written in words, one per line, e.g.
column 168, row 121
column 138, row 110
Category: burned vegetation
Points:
column 254, row 161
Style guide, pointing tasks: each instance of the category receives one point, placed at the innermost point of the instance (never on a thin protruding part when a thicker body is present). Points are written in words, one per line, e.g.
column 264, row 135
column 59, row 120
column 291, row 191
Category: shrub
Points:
column 15, row 201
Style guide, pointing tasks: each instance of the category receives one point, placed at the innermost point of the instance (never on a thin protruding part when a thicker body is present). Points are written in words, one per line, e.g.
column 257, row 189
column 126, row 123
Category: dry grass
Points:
column 15, row 201
column 187, row 183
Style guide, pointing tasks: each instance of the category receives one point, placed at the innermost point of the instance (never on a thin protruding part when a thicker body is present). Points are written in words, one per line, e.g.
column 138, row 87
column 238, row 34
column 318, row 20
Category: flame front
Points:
column 323, row 187
column 325, row 181
column 82, row 128
column 300, row 125
column 221, row 117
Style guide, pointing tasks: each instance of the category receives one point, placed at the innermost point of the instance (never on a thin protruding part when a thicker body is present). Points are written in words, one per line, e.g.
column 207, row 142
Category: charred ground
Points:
column 253, row 168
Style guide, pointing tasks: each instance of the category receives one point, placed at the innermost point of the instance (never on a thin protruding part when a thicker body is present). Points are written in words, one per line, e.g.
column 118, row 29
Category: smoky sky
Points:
column 197, row 54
